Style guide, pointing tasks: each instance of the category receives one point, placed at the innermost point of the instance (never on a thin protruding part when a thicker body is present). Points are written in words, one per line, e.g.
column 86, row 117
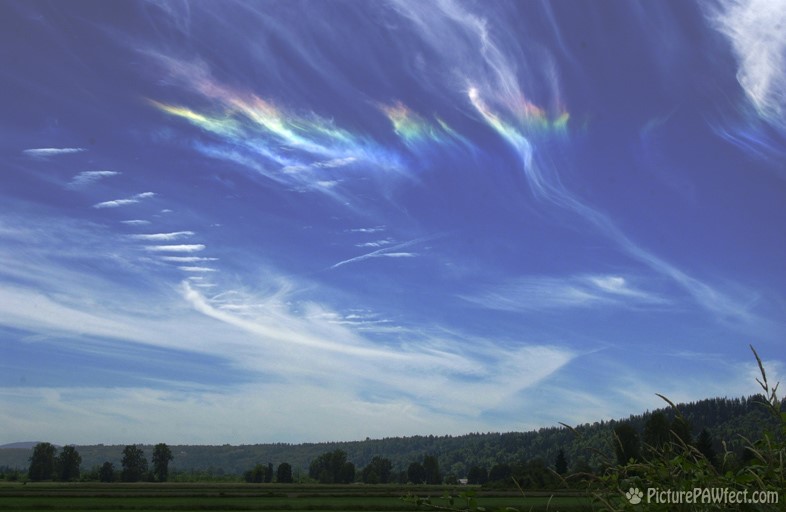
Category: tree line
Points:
column 725, row 420
column 47, row 464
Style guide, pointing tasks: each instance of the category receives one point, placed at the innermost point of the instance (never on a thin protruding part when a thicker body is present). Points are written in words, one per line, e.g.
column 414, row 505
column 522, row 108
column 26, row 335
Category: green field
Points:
column 270, row 497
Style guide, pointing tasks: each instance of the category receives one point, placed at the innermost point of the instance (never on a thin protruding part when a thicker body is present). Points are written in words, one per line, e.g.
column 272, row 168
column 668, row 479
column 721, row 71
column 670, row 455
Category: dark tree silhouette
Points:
column 258, row 475
column 561, row 463
column 500, row 473
column 134, row 463
column 656, row 433
column 42, row 462
column 68, row 463
column 416, row 474
column 680, row 431
column 431, row 468
column 704, row 445
column 332, row 468
column 347, row 473
column 377, row 471
column 477, row 475
column 161, row 457
column 626, row 443
column 107, row 472
column 284, row 473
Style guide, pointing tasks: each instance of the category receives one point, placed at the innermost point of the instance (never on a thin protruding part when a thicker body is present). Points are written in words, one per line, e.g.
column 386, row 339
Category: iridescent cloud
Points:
column 296, row 148
column 418, row 133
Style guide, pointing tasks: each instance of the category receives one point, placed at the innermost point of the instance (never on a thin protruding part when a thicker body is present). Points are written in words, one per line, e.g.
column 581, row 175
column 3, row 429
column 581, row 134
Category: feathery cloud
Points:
column 162, row 237
column 47, row 152
column 385, row 252
column 378, row 243
column 85, row 178
column 176, row 248
column 535, row 293
column 115, row 203
column 375, row 229
column 755, row 29
column 187, row 259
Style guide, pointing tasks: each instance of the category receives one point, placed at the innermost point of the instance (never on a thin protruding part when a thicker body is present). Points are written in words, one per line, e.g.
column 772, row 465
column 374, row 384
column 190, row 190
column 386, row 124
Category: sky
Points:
column 281, row 221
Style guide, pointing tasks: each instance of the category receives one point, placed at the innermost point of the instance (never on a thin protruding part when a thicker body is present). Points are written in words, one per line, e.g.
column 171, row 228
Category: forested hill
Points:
column 726, row 419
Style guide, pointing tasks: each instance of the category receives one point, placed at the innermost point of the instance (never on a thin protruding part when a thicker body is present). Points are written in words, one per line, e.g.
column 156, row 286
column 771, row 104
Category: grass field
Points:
column 271, row 497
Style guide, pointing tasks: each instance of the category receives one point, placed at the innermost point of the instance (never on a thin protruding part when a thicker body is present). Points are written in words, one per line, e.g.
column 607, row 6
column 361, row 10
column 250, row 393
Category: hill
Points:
column 726, row 419
column 27, row 445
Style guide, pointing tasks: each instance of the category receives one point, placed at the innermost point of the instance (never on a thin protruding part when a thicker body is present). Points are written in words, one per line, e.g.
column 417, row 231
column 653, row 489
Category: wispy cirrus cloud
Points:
column 534, row 293
column 398, row 255
column 302, row 150
column 755, row 30
column 420, row 134
column 187, row 259
column 375, row 229
column 47, row 152
column 188, row 268
column 496, row 94
column 315, row 327
column 163, row 237
column 392, row 251
column 267, row 333
column 116, row 203
column 325, row 164
column 376, row 243
column 135, row 222
column 86, row 178
column 176, row 248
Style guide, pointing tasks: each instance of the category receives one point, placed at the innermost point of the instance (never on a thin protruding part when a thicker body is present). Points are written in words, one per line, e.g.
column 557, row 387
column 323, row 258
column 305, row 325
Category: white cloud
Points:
column 375, row 229
column 176, row 248
column 385, row 252
column 187, row 259
column 36, row 312
column 196, row 269
column 162, row 237
column 756, row 31
column 583, row 291
column 378, row 243
column 115, row 203
column 135, row 222
column 46, row 152
column 336, row 162
column 88, row 177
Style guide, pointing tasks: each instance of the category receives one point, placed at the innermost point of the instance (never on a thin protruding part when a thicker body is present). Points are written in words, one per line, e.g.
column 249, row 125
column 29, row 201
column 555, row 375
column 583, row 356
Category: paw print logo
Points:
column 634, row 495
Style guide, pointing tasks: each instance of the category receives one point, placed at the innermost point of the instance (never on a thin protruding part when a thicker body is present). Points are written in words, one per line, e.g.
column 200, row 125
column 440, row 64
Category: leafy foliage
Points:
column 162, row 455
column 626, row 443
column 561, row 464
column 431, row 470
column 107, row 472
column 134, row 464
column 332, row 468
column 680, row 467
column 378, row 471
column 68, row 464
column 416, row 473
column 42, row 462
column 284, row 473
column 727, row 420
column 259, row 474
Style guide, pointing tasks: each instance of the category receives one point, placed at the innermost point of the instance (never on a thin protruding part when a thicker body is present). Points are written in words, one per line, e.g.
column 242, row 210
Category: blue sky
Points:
column 239, row 222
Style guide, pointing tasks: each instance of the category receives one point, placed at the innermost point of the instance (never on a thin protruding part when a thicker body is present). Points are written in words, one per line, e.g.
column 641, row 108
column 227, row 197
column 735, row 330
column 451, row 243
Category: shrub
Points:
column 682, row 469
